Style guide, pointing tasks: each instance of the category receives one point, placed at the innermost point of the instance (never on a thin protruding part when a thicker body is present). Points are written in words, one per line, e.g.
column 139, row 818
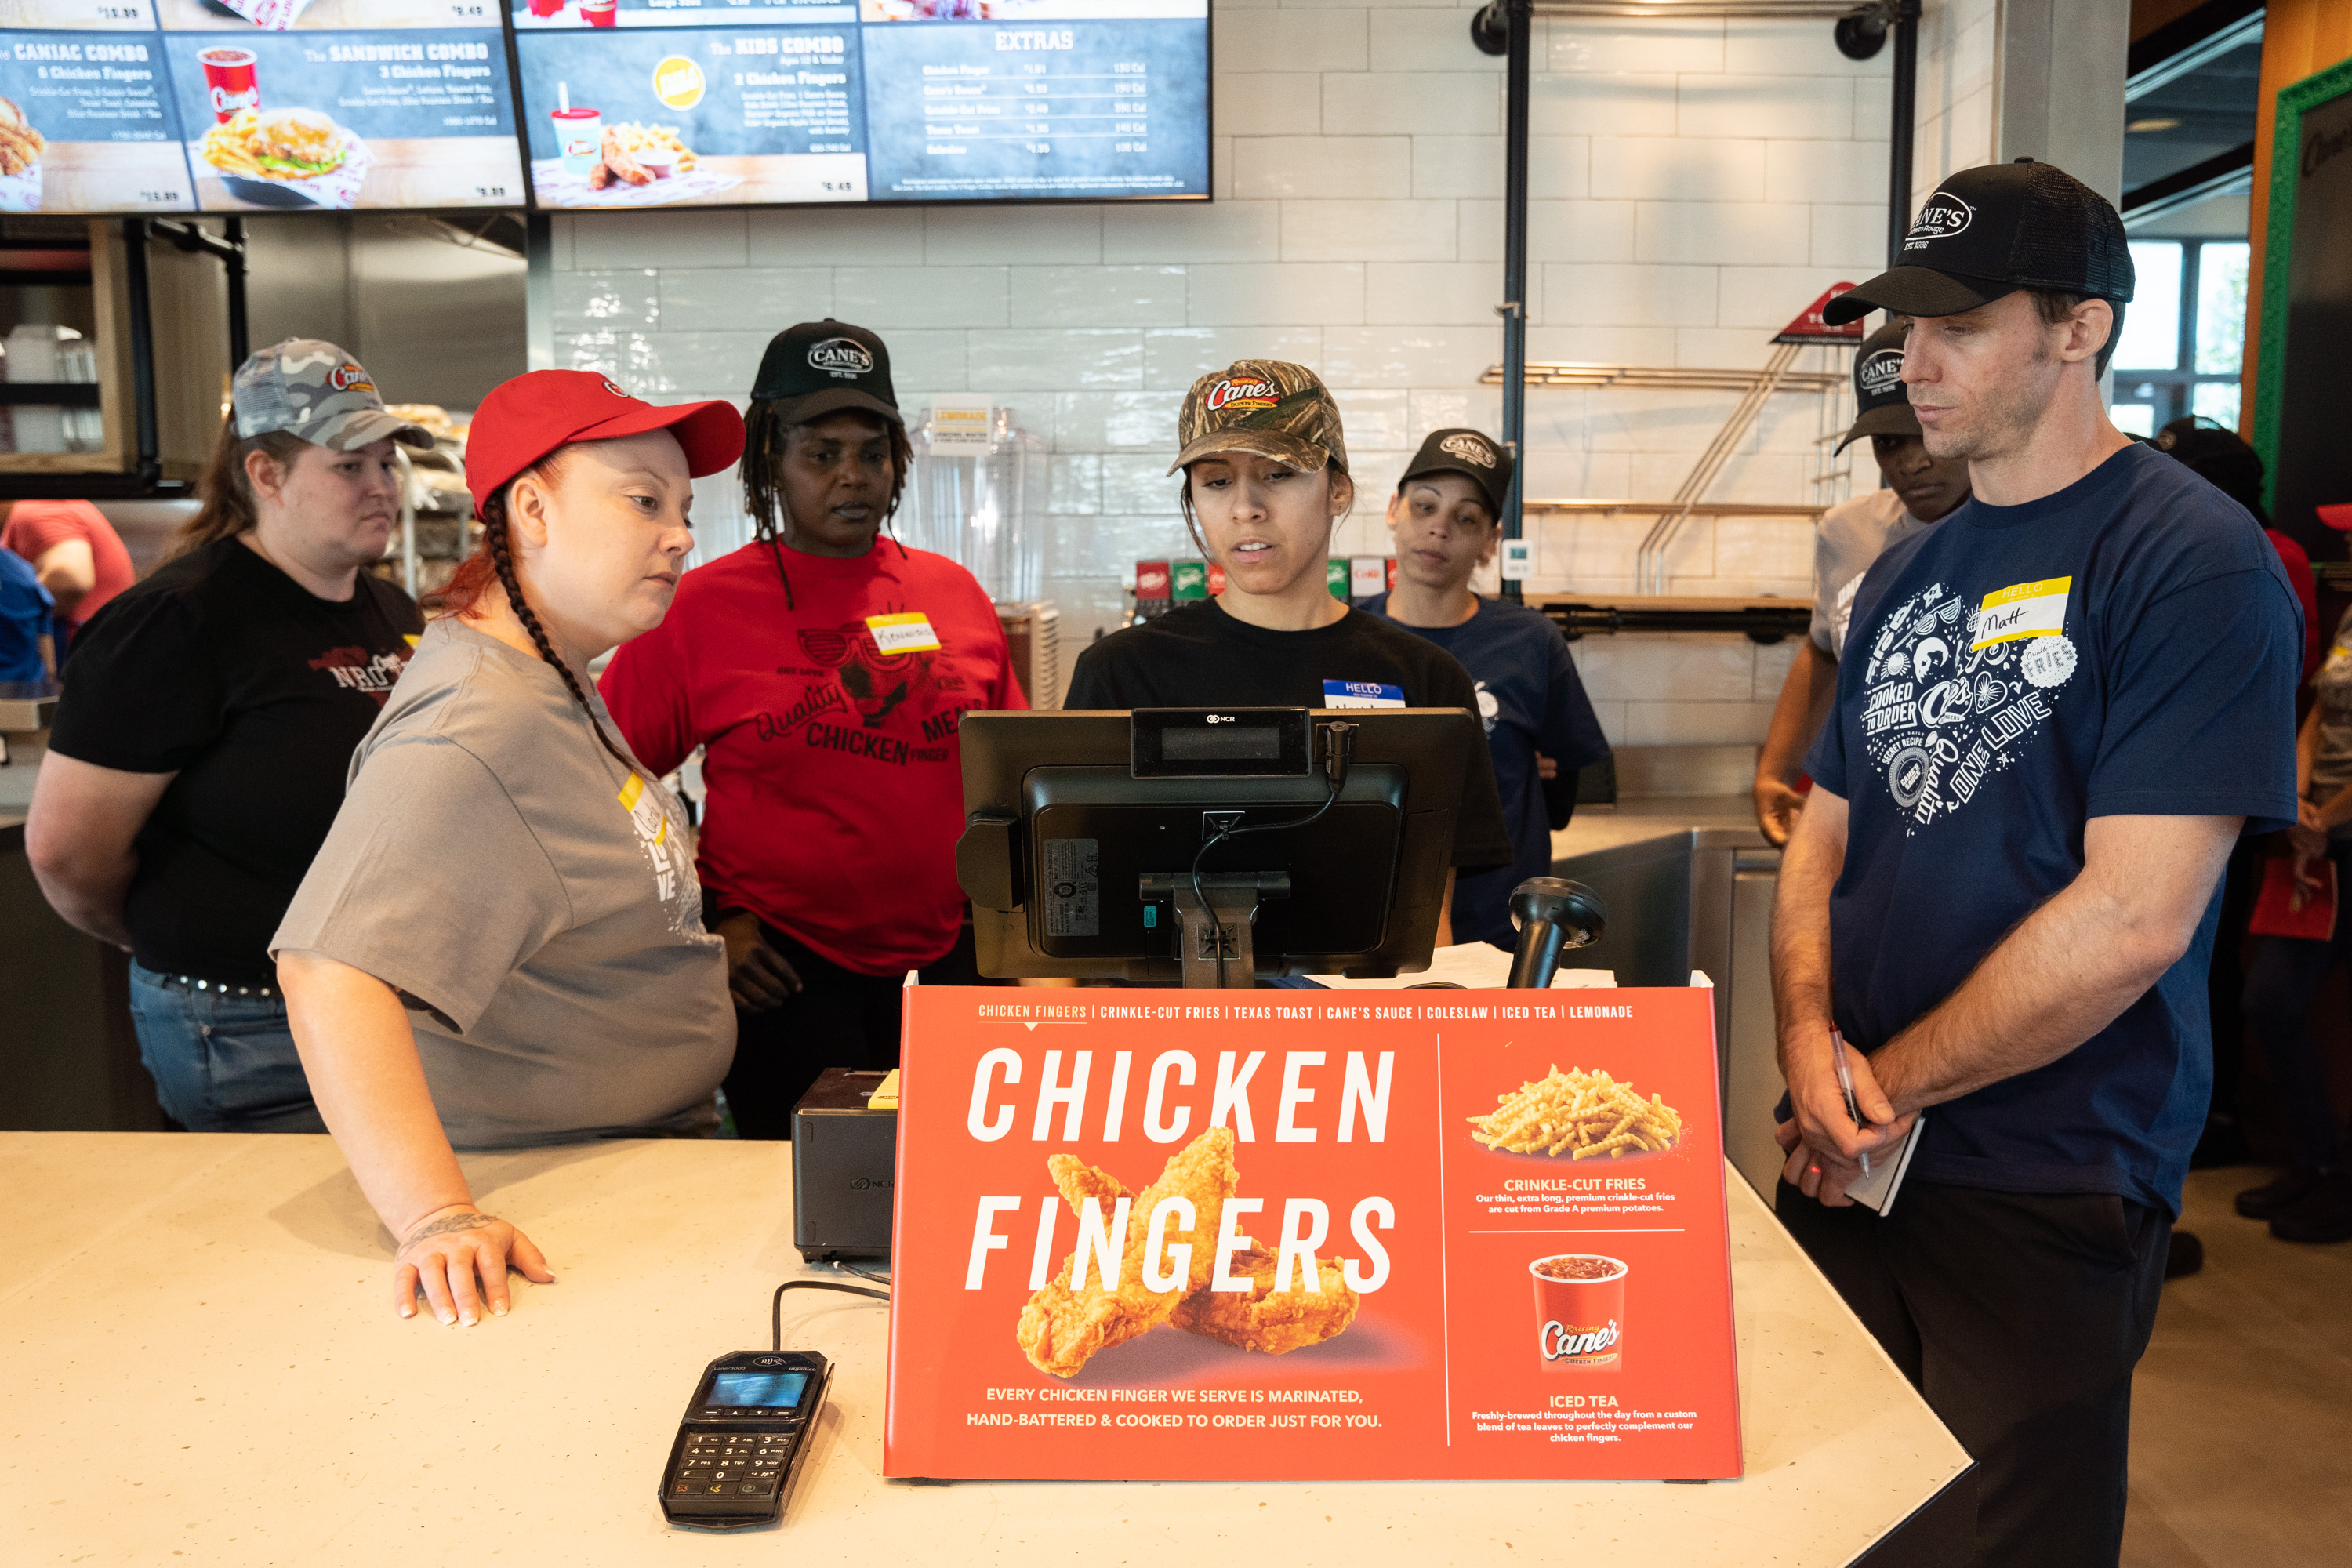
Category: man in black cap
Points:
column 1920, row 491
column 2058, row 709
column 824, row 669
column 1539, row 722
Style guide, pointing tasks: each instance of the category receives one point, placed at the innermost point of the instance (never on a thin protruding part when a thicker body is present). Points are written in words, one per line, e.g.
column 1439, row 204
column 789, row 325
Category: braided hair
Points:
column 765, row 435
column 495, row 558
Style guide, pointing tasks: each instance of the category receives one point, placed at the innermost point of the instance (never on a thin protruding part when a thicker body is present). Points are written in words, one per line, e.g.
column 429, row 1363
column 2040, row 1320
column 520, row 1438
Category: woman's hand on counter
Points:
column 458, row 1256
column 758, row 976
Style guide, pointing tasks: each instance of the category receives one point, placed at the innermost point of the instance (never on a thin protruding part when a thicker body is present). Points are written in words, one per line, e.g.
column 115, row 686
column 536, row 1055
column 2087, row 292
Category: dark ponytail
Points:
column 495, row 560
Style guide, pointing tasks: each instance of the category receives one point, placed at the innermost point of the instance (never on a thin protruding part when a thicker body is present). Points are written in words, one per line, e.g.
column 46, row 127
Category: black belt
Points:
column 190, row 983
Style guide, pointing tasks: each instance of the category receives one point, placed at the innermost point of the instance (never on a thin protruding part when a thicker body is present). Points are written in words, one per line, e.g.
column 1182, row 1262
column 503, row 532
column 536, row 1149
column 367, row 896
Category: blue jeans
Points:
column 222, row 1062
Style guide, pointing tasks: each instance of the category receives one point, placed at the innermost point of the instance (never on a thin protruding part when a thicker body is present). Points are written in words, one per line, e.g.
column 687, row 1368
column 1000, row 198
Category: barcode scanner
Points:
column 1553, row 915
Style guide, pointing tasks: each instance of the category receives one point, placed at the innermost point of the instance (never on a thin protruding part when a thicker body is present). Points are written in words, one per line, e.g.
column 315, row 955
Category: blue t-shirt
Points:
column 2125, row 647
column 1530, row 700
column 28, row 614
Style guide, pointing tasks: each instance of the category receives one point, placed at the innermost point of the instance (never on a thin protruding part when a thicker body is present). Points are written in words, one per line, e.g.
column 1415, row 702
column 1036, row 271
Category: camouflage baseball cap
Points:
column 1268, row 406
column 314, row 390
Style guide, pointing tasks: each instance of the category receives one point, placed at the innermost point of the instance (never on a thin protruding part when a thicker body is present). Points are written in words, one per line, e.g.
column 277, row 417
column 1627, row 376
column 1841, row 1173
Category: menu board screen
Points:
column 273, row 105
column 659, row 102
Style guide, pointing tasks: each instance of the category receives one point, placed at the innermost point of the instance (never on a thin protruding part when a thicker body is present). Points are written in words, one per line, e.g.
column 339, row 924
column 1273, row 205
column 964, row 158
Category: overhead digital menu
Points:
column 178, row 105
column 644, row 103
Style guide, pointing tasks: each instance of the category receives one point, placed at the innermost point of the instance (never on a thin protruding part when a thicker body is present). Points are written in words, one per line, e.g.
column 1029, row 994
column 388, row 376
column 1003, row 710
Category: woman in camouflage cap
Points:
column 1265, row 485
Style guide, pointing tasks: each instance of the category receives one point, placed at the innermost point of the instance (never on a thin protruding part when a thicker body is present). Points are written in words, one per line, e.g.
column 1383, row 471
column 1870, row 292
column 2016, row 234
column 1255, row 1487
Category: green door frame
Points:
column 2278, row 252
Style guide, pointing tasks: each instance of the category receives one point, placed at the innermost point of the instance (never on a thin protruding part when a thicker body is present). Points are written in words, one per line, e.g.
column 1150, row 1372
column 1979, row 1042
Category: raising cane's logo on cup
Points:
column 1580, row 1311
column 229, row 82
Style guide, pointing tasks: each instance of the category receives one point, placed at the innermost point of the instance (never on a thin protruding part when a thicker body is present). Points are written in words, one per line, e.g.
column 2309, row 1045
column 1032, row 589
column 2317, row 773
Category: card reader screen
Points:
column 769, row 1390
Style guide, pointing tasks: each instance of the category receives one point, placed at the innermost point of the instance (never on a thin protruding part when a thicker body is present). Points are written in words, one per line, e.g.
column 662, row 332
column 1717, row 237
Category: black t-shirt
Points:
column 1197, row 656
column 222, row 669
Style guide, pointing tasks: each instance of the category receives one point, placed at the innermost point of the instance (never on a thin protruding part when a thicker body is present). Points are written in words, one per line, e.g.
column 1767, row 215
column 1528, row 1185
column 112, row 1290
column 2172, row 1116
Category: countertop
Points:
column 202, row 1365
column 1727, row 821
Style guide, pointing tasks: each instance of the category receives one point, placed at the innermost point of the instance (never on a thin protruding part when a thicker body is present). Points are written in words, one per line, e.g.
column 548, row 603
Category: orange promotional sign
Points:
column 1311, row 1235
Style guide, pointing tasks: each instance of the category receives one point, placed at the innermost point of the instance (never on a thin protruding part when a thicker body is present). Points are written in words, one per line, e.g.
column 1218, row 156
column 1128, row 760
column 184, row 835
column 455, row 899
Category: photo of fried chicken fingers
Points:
column 1062, row 1329
column 1271, row 1322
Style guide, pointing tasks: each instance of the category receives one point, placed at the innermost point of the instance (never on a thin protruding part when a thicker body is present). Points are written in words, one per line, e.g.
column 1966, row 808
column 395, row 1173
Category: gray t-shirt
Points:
column 534, row 902
column 1853, row 533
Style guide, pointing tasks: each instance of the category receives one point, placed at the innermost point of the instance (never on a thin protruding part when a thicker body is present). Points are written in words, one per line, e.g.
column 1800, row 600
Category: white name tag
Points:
column 909, row 632
column 2036, row 609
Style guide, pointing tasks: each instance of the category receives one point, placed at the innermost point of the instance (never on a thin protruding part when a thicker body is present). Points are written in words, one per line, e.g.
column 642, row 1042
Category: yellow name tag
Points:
column 909, row 632
column 644, row 811
column 2035, row 609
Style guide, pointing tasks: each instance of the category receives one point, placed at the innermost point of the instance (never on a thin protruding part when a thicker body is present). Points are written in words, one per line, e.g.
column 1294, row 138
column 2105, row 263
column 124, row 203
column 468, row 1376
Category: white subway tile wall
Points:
column 1695, row 183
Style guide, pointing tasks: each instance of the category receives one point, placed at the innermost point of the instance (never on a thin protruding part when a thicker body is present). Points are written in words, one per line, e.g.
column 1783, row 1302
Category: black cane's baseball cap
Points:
column 1467, row 452
column 1883, row 406
column 821, row 367
column 1995, row 229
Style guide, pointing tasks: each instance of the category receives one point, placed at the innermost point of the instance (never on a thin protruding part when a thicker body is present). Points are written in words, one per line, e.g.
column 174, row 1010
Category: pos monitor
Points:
column 1214, row 847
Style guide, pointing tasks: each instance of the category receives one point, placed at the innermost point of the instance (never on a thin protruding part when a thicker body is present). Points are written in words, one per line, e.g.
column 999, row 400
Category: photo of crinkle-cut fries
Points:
column 1582, row 1115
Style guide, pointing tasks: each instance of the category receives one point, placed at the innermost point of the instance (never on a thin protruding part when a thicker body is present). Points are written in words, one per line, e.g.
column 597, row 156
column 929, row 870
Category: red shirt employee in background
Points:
column 79, row 557
column 824, row 669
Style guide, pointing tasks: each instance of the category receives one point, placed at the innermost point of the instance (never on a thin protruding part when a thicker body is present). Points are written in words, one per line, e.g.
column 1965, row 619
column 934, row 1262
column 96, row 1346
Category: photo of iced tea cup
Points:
column 579, row 138
column 600, row 13
column 1580, row 1311
column 231, row 82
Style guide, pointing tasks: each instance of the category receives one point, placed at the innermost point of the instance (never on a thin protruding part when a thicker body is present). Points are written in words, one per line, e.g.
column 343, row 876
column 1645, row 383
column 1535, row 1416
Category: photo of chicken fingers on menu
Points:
column 90, row 122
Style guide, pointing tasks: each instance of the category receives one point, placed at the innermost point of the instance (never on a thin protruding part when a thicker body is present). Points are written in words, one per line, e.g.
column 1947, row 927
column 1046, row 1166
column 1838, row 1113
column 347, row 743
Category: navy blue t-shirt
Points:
column 2128, row 646
column 1530, row 700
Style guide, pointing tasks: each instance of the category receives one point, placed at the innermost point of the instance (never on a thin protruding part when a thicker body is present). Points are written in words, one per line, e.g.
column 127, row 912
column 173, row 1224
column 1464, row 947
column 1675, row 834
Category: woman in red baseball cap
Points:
column 500, row 943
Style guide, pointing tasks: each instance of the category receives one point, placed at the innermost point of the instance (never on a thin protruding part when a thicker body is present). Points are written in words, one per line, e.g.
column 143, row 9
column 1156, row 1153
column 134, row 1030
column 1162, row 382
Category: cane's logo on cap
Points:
column 841, row 356
column 1244, row 392
column 1944, row 216
column 348, row 377
column 1879, row 374
column 613, row 387
column 1469, row 449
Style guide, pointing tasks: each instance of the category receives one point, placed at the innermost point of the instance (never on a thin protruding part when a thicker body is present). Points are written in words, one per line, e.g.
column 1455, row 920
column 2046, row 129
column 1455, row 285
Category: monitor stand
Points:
column 1214, row 929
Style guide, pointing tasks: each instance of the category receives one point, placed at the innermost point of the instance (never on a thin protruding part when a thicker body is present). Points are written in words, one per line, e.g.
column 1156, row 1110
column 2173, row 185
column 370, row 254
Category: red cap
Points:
column 2338, row 516
column 525, row 419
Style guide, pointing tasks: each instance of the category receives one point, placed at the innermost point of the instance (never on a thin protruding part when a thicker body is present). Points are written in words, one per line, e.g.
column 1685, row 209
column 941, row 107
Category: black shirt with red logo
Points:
column 225, row 671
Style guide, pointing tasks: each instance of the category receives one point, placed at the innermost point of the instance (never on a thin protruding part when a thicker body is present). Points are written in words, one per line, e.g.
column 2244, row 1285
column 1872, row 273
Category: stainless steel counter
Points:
column 1689, row 882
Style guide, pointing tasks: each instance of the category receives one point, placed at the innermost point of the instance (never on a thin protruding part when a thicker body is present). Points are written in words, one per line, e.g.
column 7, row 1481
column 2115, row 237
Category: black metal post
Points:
column 143, row 346
column 239, row 336
column 1503, row 28
column 1899, row 135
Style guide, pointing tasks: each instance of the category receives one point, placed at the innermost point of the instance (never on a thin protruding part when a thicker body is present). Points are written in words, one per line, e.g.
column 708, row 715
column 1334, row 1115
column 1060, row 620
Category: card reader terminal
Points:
column 741, row 1443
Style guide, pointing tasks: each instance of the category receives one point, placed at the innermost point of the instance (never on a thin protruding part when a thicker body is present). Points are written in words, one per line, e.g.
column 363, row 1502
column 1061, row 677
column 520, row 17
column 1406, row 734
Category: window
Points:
column 2184, row 335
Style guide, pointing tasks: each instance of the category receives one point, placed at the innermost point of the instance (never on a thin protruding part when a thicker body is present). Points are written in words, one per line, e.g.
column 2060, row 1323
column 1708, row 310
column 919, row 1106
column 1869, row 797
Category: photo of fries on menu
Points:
column 1164, row 1233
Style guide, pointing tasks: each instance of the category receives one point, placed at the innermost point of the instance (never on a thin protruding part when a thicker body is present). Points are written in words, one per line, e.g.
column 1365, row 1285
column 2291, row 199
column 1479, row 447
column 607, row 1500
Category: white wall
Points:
column 1696, row 185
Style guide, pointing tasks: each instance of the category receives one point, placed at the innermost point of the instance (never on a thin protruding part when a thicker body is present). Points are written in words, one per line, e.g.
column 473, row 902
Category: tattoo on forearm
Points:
column 446, row 1224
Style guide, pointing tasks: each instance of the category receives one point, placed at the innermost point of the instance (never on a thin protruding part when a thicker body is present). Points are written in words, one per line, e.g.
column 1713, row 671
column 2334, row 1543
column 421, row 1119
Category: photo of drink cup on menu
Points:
column 1579, row 1312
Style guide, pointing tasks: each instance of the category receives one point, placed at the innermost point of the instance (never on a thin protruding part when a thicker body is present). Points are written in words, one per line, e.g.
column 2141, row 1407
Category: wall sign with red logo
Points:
column 1311, row 1234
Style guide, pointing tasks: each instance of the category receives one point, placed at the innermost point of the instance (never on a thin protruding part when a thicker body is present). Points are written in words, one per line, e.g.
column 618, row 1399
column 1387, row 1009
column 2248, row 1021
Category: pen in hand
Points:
column 1846, row 1083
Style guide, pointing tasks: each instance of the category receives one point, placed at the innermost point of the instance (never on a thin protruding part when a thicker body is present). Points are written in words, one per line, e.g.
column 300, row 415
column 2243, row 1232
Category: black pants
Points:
column 840, row 1018
column 2281, row 984
column 2020, row 1318
column 2225, row 980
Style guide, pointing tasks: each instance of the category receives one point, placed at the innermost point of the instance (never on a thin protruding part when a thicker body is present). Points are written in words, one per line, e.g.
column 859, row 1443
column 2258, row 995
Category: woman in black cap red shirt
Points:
column 500, row 943
column 824, row 669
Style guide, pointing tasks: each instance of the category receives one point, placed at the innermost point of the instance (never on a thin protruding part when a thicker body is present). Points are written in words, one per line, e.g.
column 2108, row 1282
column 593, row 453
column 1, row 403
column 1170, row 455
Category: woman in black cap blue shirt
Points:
column 1265, row 480
column 824, row 668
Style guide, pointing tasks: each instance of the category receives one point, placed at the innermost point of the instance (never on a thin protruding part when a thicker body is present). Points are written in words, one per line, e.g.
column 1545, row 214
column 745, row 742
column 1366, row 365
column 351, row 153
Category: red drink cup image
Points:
column 229, row 82
column 1580, row 1311
column 600, row 13
column 545, row 8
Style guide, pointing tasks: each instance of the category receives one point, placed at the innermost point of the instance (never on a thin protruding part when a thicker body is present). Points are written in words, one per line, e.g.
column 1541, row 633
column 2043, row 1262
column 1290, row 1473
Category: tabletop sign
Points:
column 1304, row 1234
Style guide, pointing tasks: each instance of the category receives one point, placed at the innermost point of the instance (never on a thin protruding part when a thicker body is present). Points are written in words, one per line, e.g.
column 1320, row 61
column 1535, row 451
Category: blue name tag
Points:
column 1362, row 694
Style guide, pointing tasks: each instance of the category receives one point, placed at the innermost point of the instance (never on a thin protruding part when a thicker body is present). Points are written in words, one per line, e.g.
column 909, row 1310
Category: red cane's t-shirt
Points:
column 834, row 776
column 36, row 527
